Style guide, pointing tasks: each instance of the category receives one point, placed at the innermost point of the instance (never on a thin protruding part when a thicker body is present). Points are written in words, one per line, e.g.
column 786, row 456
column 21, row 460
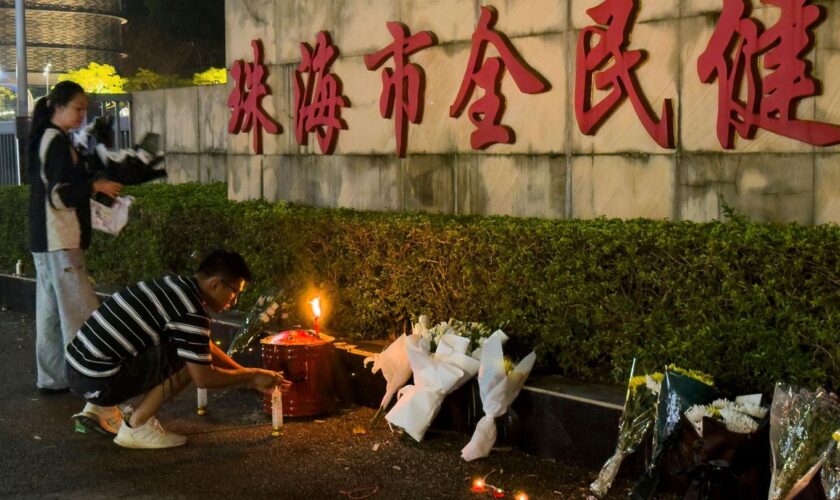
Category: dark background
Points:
column 173, row 36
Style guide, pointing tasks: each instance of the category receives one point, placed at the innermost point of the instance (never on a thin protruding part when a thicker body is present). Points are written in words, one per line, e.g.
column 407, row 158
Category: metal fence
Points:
column 9, row 173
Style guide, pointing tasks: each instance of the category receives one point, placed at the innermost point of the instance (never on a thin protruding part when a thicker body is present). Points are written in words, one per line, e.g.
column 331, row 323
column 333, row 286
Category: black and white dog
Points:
column 126, row 166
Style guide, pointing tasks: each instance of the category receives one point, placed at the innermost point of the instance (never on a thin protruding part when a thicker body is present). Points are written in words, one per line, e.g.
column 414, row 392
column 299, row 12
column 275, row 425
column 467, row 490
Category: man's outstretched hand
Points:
column 266, row 380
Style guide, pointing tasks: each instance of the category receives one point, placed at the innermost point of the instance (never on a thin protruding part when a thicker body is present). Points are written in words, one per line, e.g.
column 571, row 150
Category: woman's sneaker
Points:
column 148, row 436
column 102, row 419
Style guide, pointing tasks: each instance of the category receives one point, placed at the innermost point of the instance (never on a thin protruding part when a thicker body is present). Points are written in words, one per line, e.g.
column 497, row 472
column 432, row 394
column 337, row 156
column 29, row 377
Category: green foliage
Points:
column 8, row 103
column 97, row 79
column 146, row 79
column 749, row 303
column 210, row 76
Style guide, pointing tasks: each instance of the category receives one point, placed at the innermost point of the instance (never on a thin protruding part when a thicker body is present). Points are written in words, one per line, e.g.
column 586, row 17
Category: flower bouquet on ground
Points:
column 801, row 427
column 393, row 362
column 267, row 315
column 720, row 451
column 636, row 423
column 435, row 375
column 831, row 469
column 680, row 390
column 499, row 383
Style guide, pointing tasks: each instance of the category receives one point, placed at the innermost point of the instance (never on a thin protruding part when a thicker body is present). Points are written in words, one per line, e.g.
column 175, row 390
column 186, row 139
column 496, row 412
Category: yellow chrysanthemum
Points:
column 696, row 375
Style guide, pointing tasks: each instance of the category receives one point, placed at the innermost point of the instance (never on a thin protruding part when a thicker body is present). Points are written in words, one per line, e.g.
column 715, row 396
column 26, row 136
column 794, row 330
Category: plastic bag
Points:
column 111, row 219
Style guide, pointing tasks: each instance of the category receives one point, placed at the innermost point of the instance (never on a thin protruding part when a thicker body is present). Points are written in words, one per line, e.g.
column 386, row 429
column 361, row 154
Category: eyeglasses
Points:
column 233, row 290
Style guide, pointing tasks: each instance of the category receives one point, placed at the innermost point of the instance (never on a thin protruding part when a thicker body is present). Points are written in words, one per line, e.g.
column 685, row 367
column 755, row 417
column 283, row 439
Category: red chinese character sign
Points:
column 732, row 57
column 602, row 56
column 318, row 99
column 244, row 100
column 486, row 112
column 402, row 86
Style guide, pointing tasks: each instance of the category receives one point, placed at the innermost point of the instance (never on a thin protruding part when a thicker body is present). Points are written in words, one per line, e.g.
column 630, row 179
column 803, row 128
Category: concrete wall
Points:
column 552, row 170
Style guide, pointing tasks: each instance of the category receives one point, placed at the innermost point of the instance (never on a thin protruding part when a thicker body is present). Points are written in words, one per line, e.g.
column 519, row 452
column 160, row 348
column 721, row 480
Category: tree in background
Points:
column 97, row 79
column 8, row 103
column 146, row 79
column 212, row 76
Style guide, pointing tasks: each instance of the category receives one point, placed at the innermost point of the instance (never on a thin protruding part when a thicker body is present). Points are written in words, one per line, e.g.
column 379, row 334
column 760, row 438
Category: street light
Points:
column 47, row 76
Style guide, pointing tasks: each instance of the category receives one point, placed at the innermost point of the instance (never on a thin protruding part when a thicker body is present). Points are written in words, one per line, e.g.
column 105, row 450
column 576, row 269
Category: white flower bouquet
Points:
column 394, row 365
column 498, row 387
column 267, row 314
column 435, row 376
column 741, row 416
column 801, row 427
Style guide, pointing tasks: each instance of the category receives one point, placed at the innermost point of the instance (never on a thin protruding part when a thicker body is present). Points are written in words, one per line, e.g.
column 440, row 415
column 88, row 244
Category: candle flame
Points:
column 316, row 306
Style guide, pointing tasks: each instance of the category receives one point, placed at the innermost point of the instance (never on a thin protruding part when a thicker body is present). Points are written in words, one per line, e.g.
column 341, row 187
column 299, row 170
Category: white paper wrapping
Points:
column 498, row 390
column 434, row 377
column 393, row 362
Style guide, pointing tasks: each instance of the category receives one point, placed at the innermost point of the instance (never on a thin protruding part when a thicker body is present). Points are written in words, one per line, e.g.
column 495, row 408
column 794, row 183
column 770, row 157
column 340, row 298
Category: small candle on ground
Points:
column 276, row 411
column 201, row 401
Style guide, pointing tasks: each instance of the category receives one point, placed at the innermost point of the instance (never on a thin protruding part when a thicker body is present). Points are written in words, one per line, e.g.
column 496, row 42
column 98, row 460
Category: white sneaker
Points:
column 148, row 436
column 103, row 419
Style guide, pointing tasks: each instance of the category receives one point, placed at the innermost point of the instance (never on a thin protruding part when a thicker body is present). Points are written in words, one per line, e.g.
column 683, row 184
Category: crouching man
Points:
column 151, row 340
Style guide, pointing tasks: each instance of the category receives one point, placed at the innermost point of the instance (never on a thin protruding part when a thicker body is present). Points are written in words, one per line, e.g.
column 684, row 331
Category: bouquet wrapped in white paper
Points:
column 498, row 390
column 435, row 376
column 394, row 365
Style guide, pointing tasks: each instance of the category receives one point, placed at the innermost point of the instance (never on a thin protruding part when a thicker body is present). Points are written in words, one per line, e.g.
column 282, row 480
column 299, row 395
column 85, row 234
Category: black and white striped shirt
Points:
column 150, row 313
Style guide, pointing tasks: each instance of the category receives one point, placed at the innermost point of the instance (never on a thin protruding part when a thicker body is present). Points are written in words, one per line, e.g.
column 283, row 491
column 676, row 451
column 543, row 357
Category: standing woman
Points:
column 59, row 228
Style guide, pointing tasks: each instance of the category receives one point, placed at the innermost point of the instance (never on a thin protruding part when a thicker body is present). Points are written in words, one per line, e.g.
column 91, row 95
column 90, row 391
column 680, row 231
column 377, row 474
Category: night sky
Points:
column 173, row 36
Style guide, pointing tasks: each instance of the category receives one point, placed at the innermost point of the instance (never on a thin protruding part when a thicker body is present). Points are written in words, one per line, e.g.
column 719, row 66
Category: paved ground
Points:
column 231, row 453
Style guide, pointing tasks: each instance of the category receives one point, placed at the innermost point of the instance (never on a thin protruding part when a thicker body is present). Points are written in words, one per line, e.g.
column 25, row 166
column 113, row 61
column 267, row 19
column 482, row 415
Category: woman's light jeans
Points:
column 64, row 300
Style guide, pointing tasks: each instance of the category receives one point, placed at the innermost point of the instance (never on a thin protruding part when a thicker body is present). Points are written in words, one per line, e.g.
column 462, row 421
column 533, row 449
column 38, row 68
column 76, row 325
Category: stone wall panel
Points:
column 244, row 177
column 182, row 123
column 623, row 186
column 765, row 187
column 523, row 185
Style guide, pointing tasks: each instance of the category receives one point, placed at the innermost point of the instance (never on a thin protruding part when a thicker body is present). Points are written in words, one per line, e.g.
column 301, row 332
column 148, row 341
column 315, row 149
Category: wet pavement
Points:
column 231, row 452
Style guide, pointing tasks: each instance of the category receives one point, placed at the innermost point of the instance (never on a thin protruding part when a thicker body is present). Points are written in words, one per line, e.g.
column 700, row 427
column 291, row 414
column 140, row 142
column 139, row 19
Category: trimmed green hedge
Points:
column 749, row 303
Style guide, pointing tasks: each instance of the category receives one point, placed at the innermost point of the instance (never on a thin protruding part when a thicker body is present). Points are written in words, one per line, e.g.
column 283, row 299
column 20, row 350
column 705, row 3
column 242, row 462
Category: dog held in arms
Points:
column 126, row 166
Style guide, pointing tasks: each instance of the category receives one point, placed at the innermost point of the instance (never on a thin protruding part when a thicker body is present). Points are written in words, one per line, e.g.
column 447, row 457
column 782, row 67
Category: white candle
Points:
column 276, row 411
column 201, row 401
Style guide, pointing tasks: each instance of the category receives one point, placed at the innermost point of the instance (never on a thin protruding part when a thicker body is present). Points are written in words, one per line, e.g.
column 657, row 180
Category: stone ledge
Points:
column 553, row 417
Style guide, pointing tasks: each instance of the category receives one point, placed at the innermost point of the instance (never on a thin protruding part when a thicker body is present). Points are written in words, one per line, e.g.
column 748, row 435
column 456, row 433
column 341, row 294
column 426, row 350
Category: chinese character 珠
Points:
column 244, row 100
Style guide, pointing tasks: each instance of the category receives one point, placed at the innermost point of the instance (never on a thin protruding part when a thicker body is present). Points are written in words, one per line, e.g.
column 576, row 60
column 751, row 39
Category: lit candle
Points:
column 316, row 311
column 201, row 401
column 521, row 496
column 478, row 486
column 276, row 411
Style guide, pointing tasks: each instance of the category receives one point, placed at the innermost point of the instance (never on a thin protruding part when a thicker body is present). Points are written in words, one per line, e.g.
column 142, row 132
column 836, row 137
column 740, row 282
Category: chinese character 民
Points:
column 318, row 101
column 402, row 86
column 486, row 112
column 731, row 57
column 244, row 100
column 618, row 78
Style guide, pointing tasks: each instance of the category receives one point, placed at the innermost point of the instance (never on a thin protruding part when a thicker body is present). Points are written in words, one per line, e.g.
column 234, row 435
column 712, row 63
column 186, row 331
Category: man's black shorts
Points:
column 137, row 375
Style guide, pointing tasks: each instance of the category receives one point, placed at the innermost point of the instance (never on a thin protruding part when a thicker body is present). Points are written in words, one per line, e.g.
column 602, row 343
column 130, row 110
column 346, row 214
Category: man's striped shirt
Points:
column 150, row 313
